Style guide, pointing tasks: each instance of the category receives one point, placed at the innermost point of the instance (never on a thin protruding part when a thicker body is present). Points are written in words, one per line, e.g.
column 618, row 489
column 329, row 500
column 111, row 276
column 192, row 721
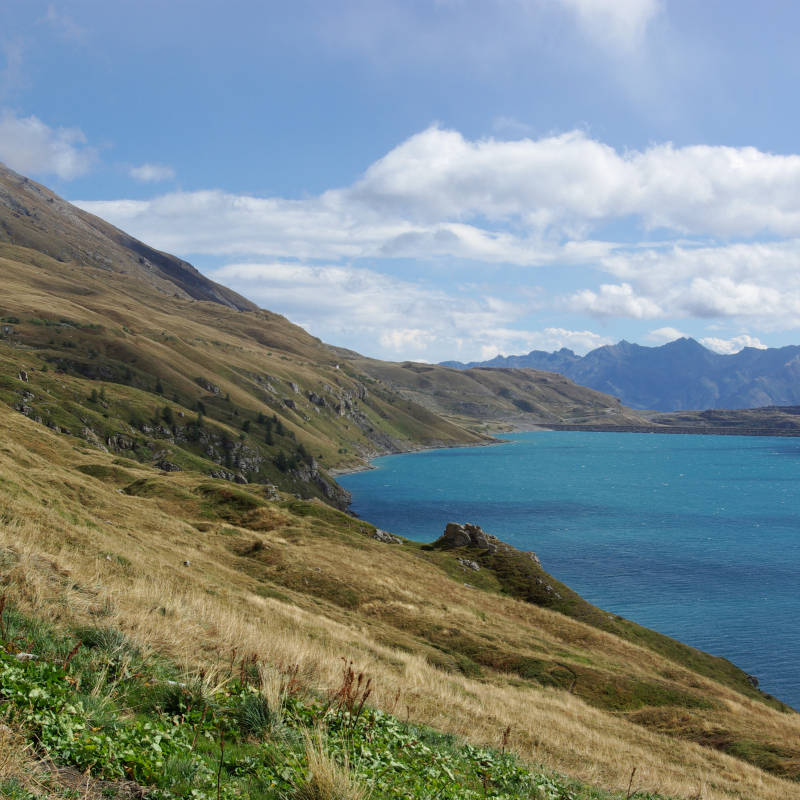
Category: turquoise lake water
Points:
column 697, row 537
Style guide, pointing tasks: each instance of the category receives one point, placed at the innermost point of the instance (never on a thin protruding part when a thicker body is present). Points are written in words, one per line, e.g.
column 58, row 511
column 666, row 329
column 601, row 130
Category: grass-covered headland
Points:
column 95, row 701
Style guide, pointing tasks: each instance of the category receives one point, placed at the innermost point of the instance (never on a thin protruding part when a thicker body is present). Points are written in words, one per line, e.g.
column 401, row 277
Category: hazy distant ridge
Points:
column 680, row 375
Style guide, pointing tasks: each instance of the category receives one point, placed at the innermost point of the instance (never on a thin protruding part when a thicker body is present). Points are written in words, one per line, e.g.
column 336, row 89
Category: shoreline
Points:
column 335, row 472
column 676, row 429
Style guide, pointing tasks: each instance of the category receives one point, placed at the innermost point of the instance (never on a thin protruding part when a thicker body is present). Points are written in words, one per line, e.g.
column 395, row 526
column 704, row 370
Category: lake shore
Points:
column 336, row 471
column 702, row 431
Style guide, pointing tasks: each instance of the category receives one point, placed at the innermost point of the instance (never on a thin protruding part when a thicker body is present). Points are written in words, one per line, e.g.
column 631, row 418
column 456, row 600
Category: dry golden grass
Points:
column 76, row 551
column 326, row 780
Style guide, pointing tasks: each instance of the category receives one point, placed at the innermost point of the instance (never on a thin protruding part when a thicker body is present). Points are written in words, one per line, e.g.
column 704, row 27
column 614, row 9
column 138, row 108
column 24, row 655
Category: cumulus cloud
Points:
column 152, row 173
column 757, row 282
column 526, row 202
column 734, row 345
column 530, row 203
column 371, row 311
column 31, row 147
column 614, row 301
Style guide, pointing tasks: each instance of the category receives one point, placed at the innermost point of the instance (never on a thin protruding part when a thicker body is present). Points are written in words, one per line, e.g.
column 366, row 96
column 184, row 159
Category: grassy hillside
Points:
column 778, row 418
column 169, row 512
column 495, row 399
column 262, row 385
column 90, row 540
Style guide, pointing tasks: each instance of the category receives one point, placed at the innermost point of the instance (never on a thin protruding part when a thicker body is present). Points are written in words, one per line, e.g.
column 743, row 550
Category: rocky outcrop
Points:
column 467, row 535
column 384, row 536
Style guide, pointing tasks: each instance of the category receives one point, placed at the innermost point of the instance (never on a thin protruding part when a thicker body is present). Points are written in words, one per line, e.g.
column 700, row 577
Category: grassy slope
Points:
column 487, row 399
column 88, row 541
column 140, row 338
column 777, row 417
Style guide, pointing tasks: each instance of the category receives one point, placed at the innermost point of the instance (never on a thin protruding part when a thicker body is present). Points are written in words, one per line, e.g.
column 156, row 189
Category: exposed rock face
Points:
column 289, row 403
column 167, row 466
column 222, row 474
column 467, row 535
column 383, row 536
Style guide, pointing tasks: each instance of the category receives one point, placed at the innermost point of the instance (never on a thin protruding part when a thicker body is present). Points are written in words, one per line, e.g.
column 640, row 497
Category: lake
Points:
column 697, row 537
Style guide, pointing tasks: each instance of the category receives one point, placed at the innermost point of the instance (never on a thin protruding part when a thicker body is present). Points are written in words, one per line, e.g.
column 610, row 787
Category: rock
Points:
column 535, row 559
column 384, row 536
column 456, row 535
column 239, row 478
column 222, row 475
column 317, row 400
column 753, row 681
column 469, row 586
column 26, row 657
column 289, row 403
column 186, row 563
column 23, row 376
column 167, row 466
column 465, row 562
column 295, row 388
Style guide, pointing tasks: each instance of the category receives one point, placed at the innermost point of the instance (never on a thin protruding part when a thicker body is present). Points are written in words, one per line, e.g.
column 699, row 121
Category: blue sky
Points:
column 436, row 179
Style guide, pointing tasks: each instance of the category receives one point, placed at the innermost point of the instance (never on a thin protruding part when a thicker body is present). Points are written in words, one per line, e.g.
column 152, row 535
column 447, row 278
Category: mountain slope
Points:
column 676, row 376
column 33, row 217
column 484, row 399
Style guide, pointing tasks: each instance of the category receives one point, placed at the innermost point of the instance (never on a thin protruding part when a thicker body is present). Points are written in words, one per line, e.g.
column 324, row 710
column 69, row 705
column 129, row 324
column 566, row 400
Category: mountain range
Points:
column 676, row 376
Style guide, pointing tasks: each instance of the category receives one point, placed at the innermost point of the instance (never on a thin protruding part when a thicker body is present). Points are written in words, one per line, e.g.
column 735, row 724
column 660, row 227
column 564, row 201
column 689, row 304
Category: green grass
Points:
column 115, row 712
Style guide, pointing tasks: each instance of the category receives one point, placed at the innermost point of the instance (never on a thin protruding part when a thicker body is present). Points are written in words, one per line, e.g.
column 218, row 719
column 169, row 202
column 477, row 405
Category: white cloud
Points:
column 756, row 282
column 522, row 202
column 664, row 335
column 151, row 173
column 31, row 147
column 614, row 23
column 528, row 203
column 373, row 312
column 614, row 301
column 734, row 345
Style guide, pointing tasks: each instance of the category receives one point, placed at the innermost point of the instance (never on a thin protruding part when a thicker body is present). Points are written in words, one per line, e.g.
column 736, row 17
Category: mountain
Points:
column 676, row 376
column 35, row 218
column 536, row 359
